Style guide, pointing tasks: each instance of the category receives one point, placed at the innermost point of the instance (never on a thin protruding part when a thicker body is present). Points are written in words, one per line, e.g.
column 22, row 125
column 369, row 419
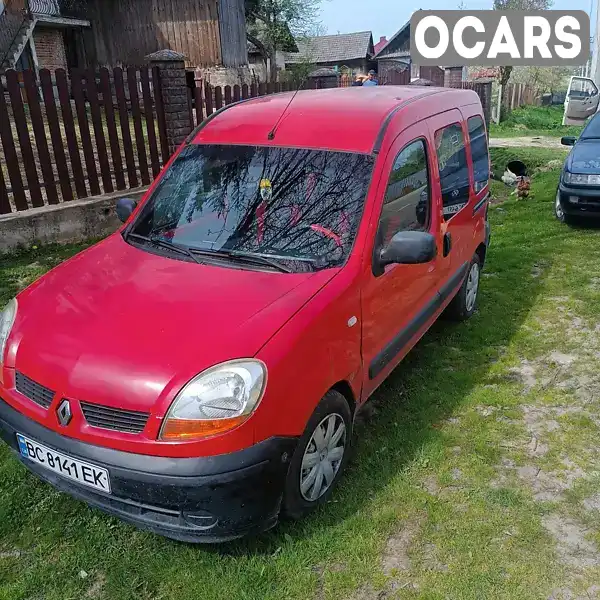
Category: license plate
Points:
column 70, row 468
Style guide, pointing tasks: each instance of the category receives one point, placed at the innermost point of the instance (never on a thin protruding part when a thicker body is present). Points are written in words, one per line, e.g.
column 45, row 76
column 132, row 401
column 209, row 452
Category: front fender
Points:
column 319, row 347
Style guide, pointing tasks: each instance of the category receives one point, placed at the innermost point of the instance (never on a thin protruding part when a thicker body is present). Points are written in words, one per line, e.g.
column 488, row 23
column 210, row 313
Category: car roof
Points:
column 346, row 119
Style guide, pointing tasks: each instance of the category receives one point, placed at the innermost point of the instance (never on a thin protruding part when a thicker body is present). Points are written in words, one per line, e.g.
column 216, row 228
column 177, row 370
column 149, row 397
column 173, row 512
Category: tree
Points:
column 273, row 25
column 517, row 5
column 544, row 79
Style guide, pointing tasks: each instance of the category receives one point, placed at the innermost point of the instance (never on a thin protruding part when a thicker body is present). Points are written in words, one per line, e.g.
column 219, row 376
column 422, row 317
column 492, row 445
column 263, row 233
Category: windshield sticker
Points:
column 266, row 190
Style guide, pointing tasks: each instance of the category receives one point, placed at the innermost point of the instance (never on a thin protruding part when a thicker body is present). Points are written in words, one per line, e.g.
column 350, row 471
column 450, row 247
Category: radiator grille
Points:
column 37, row 393
column 115, row 419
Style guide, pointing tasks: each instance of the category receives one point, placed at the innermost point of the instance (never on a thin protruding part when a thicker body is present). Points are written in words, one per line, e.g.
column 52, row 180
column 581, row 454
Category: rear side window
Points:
column 453, row 169
column 406, row 203
column 479, row 150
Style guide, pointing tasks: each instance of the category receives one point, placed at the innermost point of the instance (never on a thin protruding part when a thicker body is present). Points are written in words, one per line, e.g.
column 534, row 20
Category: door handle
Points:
column 447, row 244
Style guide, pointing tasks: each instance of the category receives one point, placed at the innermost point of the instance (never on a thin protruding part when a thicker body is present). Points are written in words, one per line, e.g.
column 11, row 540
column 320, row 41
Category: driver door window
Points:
column 406, row 206
column 582, row 88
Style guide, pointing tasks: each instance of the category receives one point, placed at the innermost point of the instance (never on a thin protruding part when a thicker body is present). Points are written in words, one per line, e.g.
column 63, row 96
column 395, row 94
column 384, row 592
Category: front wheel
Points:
column 560, row 214
column 464, row 303
column 320, row 457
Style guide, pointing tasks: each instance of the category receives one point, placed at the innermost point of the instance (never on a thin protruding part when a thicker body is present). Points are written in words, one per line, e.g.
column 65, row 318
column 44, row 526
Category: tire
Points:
column 298, row 501
column 559, row 213
column 464, row 303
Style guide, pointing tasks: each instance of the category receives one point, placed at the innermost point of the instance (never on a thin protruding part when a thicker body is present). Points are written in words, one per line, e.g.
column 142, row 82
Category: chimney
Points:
column 383, row 39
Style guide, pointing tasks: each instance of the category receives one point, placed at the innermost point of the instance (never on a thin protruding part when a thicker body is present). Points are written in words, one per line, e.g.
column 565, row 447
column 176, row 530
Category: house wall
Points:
column 123, row 32
column 401, row 43
column 258, row 69
column 50, row 48
column 385, row 67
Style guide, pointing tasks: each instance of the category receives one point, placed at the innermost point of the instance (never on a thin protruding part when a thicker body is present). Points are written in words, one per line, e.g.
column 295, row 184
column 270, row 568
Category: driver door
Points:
column 581, row 102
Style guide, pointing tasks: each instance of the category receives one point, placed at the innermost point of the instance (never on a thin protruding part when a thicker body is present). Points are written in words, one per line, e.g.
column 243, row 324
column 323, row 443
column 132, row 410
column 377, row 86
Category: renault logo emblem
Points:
column 64, row 414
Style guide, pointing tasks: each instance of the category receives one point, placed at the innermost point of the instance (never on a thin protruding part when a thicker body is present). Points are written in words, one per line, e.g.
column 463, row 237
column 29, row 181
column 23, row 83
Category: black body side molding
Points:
column 481, row 203
column 387, row 355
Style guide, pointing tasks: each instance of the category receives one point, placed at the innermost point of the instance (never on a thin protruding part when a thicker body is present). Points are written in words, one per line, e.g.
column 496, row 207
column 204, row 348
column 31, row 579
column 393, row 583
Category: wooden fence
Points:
column 206, row 99
column 66, row 136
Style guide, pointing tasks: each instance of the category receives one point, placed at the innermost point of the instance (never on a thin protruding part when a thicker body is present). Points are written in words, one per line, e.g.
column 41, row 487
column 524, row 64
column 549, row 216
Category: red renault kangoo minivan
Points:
column 197, row 373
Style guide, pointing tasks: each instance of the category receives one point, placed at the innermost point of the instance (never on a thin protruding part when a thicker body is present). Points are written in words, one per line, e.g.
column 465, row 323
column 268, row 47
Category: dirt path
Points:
column 529, row 141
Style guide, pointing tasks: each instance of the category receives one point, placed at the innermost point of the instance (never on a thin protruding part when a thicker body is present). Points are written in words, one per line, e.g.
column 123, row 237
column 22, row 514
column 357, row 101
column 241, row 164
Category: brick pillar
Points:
column 175, row 95
column 453, row 77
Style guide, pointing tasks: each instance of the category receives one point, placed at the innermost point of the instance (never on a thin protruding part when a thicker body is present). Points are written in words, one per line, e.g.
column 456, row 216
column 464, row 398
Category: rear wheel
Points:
column 464, row 303
column 320, row 457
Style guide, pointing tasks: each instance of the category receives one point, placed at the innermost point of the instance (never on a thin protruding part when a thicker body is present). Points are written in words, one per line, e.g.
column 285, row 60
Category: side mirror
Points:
column 125, row 206
column 568, row 140
column 409, row 248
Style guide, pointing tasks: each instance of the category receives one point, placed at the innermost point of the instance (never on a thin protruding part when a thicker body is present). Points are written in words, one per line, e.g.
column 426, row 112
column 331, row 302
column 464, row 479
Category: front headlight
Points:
column 216, row 401
column 7, row 318
column 579, row 179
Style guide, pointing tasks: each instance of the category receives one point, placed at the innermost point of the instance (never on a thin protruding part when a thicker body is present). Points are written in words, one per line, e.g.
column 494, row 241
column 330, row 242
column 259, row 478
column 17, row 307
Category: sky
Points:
column 385, row 17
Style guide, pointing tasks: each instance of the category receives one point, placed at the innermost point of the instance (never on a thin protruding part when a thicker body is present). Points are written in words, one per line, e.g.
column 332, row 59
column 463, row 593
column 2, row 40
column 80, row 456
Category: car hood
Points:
column 123, row 327
column 585, row 157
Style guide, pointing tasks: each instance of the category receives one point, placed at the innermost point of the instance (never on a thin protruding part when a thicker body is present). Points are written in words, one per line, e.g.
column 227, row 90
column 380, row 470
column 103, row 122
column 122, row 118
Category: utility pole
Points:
column 595, row 72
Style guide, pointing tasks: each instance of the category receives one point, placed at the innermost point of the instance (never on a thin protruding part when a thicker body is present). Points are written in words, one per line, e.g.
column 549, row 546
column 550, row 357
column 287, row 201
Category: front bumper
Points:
column 587, row 200
column 210, row 499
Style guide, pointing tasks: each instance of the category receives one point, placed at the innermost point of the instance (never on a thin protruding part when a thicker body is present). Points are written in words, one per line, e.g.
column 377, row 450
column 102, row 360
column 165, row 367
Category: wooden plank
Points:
column 160, row 115
column 92, row 94
column 228, row 94
column 218, row 97
column 270, row 88
column 232, row 28
column 253, row 90
column 10, row 155
column 69, row 125
column 208, row 97
column 199, row 108
column 192, row 31
column 245, row 91
column 237, row 93
column 55, row 136
column 190, row 38
column 150, row 127
column 111, row 125
column 5, row 207
column 137, row 124
column 37, row 123
column 84, row 132
column 20, row 121
column 278, row 87
column 262, row 89
column 125, row 131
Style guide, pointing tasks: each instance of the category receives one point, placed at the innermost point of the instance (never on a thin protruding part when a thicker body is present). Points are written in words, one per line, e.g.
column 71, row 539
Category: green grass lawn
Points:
column 534, row 121
column 475, row 477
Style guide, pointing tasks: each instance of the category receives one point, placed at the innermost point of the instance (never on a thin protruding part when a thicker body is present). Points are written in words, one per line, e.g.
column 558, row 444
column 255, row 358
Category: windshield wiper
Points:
column 167, row 245
column 247, row 257
column 260, row 259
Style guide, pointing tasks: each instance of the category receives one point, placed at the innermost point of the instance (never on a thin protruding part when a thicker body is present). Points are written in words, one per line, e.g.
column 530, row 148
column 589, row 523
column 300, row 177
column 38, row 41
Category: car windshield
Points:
column 299, row 206
column 592, row 130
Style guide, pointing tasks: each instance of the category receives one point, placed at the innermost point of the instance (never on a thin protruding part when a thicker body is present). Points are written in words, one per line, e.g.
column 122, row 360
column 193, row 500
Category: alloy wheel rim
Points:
column 558, row 207
column 472, row 287
column 323, row 457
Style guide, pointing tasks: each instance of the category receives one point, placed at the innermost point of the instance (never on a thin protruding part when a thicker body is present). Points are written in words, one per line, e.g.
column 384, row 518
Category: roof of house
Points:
column 402, row 30
column 382, row 43
column 319, row 118
column 333, row 48
column 397, row 54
